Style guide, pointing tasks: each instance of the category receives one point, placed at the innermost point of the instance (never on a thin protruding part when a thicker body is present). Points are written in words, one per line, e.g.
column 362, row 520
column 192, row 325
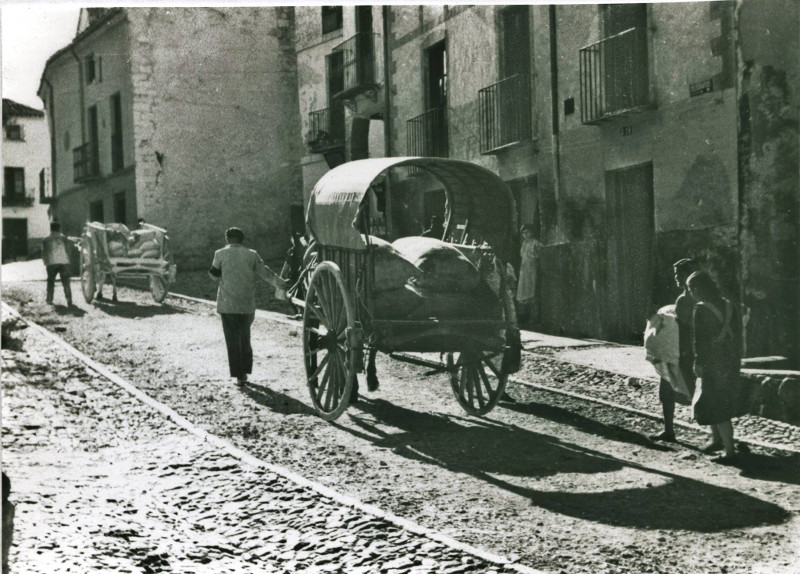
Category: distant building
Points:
column 186, row 117
column 631, row 135
column 26, row 180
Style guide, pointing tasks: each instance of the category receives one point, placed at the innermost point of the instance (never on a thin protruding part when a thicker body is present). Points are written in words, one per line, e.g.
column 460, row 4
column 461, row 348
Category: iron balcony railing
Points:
column 325, row 128
column 83, row 163
column 17, row 200
column 614, row 75
column 356, row 66
column 505, row 113
column 427, row 134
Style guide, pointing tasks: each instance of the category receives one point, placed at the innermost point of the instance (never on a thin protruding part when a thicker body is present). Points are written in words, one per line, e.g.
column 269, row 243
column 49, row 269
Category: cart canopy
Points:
column 474, row 194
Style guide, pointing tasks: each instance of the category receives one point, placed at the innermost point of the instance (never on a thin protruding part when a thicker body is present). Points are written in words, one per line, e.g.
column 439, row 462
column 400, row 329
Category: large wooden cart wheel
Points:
column 158, row 288
column 88, row 274
column 477, row 379
column 330, row 363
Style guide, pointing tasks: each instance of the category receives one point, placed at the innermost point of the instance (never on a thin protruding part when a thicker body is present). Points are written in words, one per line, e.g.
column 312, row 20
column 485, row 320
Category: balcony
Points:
column 427, row 134
column 17, row 200
column 505, row 113
column 84, row 163
column 354, row 62
column 614, row 76
column 325, row 129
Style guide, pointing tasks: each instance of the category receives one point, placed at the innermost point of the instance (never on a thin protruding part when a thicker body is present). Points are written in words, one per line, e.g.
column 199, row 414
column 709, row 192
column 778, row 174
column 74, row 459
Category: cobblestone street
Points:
column 552, row 481
column 103, row 483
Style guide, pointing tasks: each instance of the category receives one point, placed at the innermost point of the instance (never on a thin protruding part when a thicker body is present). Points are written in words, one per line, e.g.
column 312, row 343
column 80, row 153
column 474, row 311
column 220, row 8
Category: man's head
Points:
column 234, row 235
column 55, row 226
column 141, row 221
column 682, row 269
column 702, row 286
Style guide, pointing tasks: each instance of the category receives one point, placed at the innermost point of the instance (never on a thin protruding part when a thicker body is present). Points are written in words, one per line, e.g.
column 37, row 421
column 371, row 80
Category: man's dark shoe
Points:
column 711, row 446
column 663, row 437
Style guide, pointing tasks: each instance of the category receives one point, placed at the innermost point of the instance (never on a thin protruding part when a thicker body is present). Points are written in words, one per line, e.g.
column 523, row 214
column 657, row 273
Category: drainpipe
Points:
column 387, row 116
column 387, row 99
column 81, row 95
column 53, row 137
column 554, row 100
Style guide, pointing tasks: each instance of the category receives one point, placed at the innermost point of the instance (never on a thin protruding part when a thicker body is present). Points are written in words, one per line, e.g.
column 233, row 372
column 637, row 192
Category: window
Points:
column 14, row 182
column 89, row 68
column 45, row 194
column 14, row 132
column 331, row 19
column 96, row 211
column 93, row 143
column 119, row 207
column 117, row 161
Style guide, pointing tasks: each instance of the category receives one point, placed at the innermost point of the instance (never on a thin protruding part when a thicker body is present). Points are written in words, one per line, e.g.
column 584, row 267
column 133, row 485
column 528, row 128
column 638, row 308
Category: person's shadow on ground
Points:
column 275, row 401
column 131, row 310
column 72, row 311
column 500, row 454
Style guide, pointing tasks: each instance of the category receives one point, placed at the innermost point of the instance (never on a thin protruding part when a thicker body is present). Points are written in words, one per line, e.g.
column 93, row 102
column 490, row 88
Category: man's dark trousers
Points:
column 63, row 271
column 237, row 338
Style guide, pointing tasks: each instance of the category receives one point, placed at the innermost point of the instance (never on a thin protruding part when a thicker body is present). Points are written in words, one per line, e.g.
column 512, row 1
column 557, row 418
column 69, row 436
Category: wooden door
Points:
column 630, row 244
column 15, row 239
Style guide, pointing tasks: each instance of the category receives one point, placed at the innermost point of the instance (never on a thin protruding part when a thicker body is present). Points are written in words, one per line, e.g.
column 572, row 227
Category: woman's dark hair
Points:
column 703, row 285
column 529, row 227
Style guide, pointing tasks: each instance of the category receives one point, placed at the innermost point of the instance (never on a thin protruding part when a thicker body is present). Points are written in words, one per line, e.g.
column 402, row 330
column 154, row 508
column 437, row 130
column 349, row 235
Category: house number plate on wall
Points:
column 626, row 130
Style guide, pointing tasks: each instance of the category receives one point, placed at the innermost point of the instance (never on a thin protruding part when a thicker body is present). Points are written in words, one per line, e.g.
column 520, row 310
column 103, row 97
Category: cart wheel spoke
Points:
column 327, row 316
column 475, row 389
column 319, row 368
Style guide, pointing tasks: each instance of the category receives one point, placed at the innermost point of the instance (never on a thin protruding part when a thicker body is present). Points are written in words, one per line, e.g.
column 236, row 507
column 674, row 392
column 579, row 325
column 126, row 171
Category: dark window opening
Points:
column 14, row 132
column 90, row 69
column 94, row 143
column 96, row 211
column 13, row 182
column 331, row 19
column 119, row 207
column 117, row 161
column 335, row 65
column 516, row 46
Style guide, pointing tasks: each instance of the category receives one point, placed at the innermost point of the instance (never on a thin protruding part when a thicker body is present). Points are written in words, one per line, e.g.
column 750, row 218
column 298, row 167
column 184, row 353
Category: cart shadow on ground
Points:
column 504, row 455
column 132, row 310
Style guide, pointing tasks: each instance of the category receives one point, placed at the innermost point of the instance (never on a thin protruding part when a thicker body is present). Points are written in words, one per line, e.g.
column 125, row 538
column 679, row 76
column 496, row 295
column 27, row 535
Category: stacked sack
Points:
column 394, row 298
column 422, row 277
column 117, row 236
column 144, row 243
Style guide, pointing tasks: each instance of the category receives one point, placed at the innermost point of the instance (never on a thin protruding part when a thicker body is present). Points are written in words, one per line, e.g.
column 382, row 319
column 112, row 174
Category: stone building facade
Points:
column 26, row 180
column 186, row 117
column 631, row 135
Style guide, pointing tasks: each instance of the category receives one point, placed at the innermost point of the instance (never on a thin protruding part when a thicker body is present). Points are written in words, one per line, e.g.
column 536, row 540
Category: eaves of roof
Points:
column 78, row 38
column 12, row 109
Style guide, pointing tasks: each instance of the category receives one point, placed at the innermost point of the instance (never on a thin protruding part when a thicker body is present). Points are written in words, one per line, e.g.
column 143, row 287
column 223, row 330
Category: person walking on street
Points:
column 55, row 254
column 716, row 364
column 684, row 309
column 528, row 275
column 236, row 268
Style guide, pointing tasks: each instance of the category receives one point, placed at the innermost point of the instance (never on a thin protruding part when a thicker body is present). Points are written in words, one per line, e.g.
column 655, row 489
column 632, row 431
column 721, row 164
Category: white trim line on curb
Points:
column 247, row 458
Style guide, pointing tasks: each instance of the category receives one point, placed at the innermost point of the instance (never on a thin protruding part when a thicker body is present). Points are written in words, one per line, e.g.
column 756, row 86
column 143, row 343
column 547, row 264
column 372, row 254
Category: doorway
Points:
column 629, row 251
column 15, row 239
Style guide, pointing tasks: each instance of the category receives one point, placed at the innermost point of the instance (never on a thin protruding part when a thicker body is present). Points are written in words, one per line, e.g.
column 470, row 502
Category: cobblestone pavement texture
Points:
column 103, row 483
column 566, row 484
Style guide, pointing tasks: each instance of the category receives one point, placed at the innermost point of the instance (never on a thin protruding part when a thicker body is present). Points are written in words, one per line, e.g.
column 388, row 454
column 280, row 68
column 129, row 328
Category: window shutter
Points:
column 22, row 132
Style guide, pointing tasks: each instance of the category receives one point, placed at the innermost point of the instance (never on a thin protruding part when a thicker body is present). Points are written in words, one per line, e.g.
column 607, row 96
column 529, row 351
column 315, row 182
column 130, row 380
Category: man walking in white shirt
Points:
column 236, row 268
column 56, row 260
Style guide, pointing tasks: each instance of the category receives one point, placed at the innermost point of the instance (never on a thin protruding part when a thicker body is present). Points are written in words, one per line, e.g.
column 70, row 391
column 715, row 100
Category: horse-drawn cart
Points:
column 112, row 252
column 450, row 295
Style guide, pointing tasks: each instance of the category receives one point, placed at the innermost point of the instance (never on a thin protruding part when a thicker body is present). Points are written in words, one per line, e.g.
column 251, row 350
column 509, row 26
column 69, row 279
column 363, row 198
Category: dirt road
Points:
column 565, row 486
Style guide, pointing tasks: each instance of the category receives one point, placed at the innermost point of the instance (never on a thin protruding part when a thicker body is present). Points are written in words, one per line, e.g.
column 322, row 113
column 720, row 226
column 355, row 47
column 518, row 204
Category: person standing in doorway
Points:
column 684, row 309
column 236, row 268
column 55, row 254
column 528, row 276
column 716, row 364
